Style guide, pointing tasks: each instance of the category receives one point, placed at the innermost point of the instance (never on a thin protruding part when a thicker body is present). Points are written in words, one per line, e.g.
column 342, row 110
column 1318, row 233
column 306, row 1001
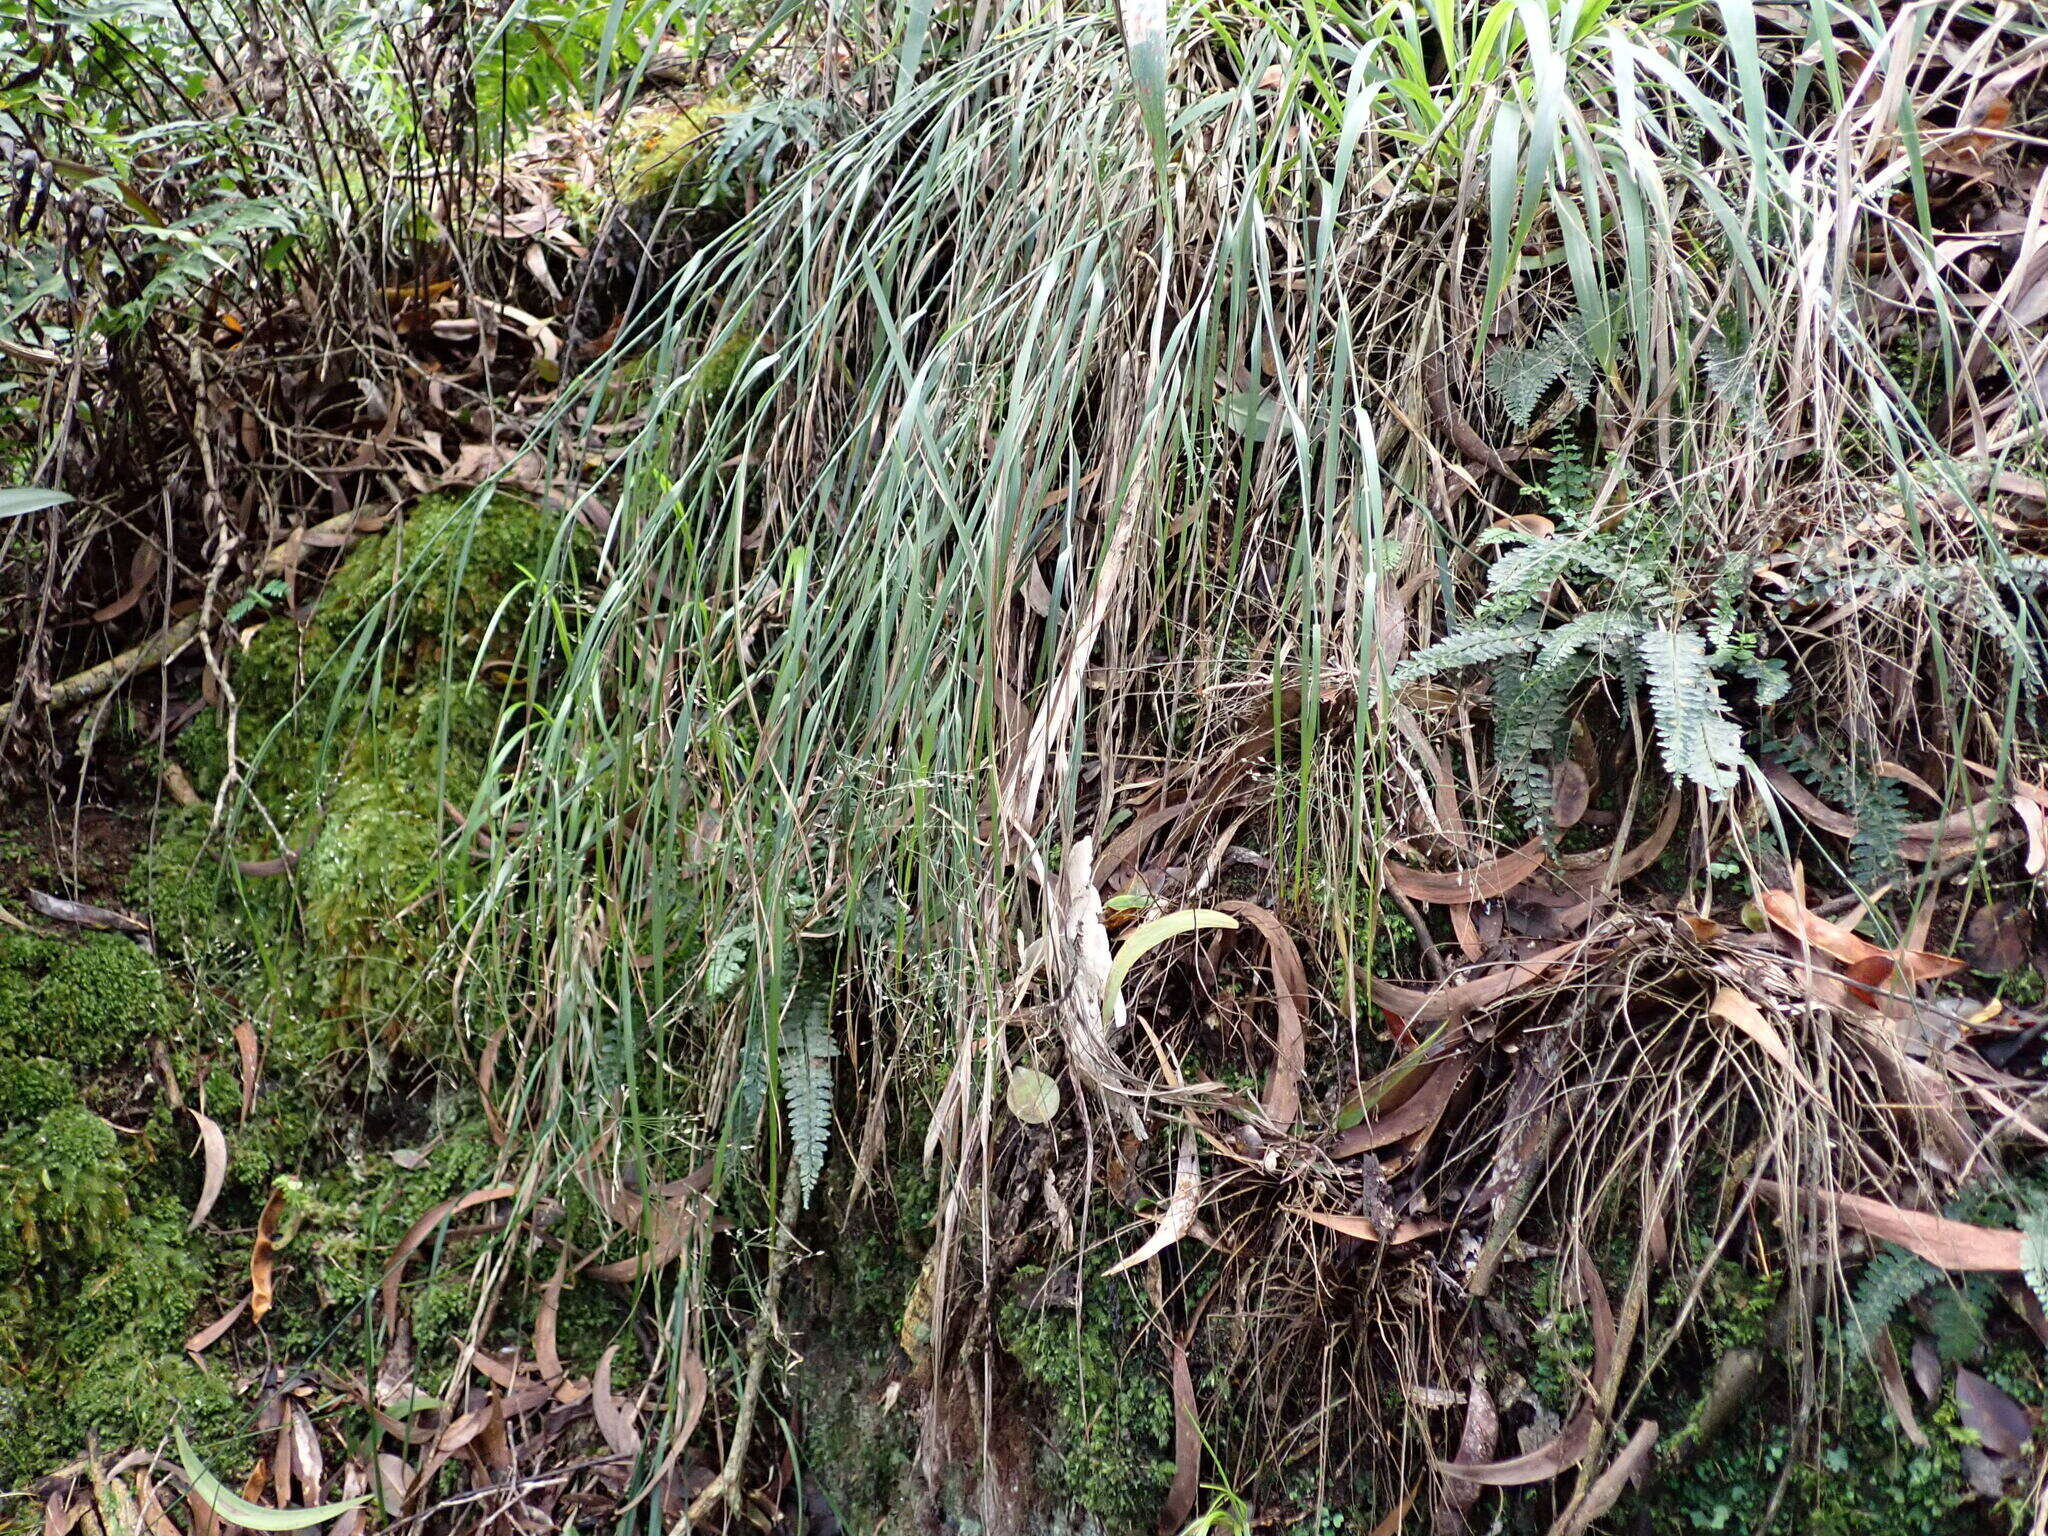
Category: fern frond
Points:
column 1522, row 376
column 807, row 1054
column 1592, row 633
column 1530, row 710
column 2034, row 1251
column 1699, row 741
column 1524, row 576
column 1468, row 648
column 727, row 961
column 1890, row 1280
column 1958, row 1318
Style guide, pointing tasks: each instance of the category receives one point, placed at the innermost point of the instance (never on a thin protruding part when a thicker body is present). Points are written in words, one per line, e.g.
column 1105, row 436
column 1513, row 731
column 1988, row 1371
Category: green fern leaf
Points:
column 727, row 962
column 1890, row 1280
column 807, row 1054
column 1699, row 740
column 1522, row 376
column 1468, row 648
column 1589, row 632
column 2034, row 1251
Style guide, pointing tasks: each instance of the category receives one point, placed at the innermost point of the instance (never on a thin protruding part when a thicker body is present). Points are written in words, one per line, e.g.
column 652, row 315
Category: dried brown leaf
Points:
column 215, row 1146
column 262, row 1256
column 1282, row 1101
column 1415, row 1115
column 1494, row 878
column 2001, row 1425
column 81, row 914
column 1946, row 1244
column 212, row 1333
column 1832, row 939
column 420, row 1231
column 1413, row 1229
column 614, row 1422
column 1893, row 1380
column 1187, row 1447
column 1571, row 793
column 1179, row 1218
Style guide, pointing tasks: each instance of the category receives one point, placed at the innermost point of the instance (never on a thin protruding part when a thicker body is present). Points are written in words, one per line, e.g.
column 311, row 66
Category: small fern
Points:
column 1468, row 648
column 1626, row 627
column 727, row 961
column 1523, row 376
column 1958, row 1317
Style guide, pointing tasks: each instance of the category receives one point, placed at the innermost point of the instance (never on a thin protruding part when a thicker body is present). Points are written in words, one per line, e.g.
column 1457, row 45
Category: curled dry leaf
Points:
column 1282, row 1101
column 420, row 1231
column 1179, row 1219
column 677, row 1211
column 1832, row 939
column 2035, row 819
column 215, row 1147
column 1494, row 878
column 1415, row 1115
column 1921, row 839
column 214, row 1331
column 1476, row 1443
column 1390, row 1524
column 1946, row 1244
column 1627, row 1466
column 1419, row 1007
column 1616, row 865
column 1893, row 1380
column 263, row 1257
column 547, row 1352
column 80, row 914
column 245, row 1048
column 614, row 1422
column 1411, row 1230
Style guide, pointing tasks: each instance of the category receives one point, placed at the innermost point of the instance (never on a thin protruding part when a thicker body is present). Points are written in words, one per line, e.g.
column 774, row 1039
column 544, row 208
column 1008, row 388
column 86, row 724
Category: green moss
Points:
column 178, row 880
column 63, row 1188
column 372, row 888
column 147, row 1290
column 1112, row 1417
column 201, row 749
column 95, row 1000
column 32, row 1086
column 123, row 1395
column 670, row 149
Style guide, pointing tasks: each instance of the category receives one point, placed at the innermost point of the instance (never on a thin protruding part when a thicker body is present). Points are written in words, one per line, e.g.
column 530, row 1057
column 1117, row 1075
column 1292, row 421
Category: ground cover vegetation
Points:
column 1024, row 768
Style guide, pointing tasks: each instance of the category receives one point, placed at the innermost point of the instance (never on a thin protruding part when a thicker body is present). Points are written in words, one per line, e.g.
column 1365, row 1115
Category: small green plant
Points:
column 1628, row 625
